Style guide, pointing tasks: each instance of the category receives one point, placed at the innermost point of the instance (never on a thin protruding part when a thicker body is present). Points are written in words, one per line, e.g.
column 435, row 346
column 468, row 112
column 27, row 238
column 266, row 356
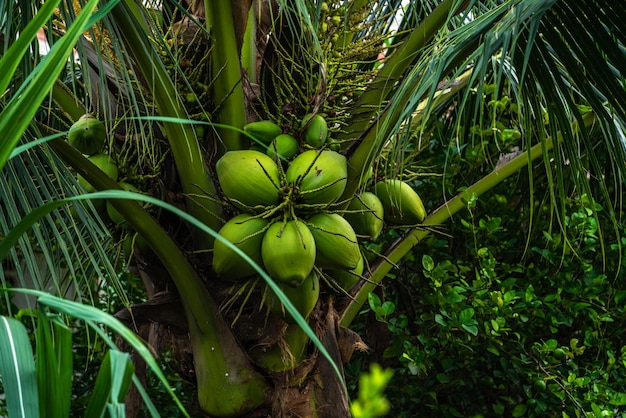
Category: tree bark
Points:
column 322, row 393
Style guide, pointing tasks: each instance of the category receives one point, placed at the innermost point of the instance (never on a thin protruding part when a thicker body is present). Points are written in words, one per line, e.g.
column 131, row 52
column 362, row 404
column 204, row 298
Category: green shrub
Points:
column 491, row 327
column 516, row 307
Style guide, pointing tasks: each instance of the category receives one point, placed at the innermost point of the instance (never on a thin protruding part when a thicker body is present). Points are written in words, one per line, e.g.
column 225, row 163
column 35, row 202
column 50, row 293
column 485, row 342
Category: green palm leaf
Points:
column 46, row 258
column 18, row 112
column 526, row 45
column 43, row 387
column 563, row 63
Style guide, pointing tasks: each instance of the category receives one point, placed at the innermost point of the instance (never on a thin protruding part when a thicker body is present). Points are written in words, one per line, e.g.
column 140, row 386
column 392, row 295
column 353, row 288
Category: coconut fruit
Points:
column 246, row 233
column 402, row 205
column 249, row 177
column 366, row 214
column 315, row 130
column 335, row 242
column 105, row 163
column 284, row 147
column 320, row 176
column 288, row 252
column 263, row 131
column 87, row 135
column 348, row 278
column 303, row 298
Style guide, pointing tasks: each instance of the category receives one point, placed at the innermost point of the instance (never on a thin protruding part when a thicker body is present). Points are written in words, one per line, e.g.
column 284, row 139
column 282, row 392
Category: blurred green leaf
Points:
column 112, row 383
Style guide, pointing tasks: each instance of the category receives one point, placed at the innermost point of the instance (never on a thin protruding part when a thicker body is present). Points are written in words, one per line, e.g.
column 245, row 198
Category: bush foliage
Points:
column 515, row 309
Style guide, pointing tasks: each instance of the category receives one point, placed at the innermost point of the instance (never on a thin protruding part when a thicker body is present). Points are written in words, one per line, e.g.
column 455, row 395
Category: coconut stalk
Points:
column 226, row 77
column 67, row 101
column 190, row 164
column 444, row 212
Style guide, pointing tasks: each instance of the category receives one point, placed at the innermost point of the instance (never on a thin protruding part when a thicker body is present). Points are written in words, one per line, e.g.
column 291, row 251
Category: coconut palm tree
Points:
column 176, row 83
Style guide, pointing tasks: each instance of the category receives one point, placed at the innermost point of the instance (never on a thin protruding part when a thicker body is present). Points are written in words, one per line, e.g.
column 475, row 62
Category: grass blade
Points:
column 54, row 363
column 94, row 317
column 17, row 368
column 111, row 385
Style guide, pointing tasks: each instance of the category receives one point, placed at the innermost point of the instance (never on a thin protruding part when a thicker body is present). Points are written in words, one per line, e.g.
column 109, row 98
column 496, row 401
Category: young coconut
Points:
column 321, row 176
column 249, row 177
column 87, row 135
column 246, row 233
column 288, row 252
column 402, row 205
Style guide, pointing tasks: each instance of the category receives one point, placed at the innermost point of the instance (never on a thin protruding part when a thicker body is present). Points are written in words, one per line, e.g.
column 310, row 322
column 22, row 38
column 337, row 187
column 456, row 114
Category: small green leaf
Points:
column 489, row 88
column 374, row 301
column 472, row 329
column 428, row 263
column 391, row 352
column 509, row 296
column 453, row 297
column 551, row 344
column 519, row 410
column 596, row 410
column 493, row 350
column 388, row 307
column 466, row 315
column 617, row 399
column 443, row 378
column 510, row 134
column 495, row 325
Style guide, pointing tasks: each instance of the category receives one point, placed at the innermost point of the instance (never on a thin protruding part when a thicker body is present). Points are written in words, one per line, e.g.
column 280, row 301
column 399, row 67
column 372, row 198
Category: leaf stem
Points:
column 226, row 67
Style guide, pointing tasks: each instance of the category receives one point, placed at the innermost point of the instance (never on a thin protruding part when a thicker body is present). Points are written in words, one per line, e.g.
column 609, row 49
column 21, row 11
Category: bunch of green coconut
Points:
column 292, row 219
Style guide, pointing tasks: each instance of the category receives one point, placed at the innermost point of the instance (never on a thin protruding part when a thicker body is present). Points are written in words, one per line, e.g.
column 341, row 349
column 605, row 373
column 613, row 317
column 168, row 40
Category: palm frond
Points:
column 68, row 252
column 528, row 44
column 46, row 258
column 522, row 48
